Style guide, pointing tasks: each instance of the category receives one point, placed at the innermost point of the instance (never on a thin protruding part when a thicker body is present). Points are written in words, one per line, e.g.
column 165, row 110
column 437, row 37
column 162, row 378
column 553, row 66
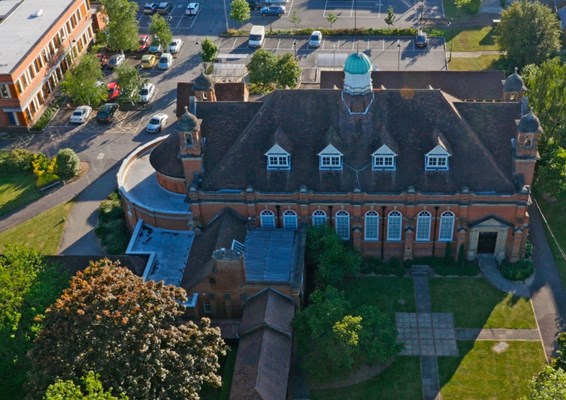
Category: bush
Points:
column 16, row 160
column 444, row 266
column 44, row 170
column 517, row 271
column 111, row 228
column 44, row 119
column 336, row 32
column 67, row 164
column 528, row 249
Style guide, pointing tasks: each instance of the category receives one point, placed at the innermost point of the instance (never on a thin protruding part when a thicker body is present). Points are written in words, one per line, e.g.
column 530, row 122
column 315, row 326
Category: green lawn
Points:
column 477, row 304
column 390, row 294
column 554, row 212
column 401, row 381
column 463, row 14
column 481, row 373
column 475, row 38
column 17, row 190
column 226, row 370
column 42, row 232
column 481, row 63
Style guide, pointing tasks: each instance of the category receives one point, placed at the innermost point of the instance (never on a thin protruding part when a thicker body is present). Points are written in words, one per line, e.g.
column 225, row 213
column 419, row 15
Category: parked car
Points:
column 107, row 113
column 113, row 90
column 143, row 43
column 421, row 39
column 155, row 46
column 148, row 61
column 276, row 2
column 156, row 123
column 164, row 8
column 316, row 39
column 175, row 46
column 192, row 9
column 165, row 61
column 116, row 60
column 272, row 11
column 256, row 4
column 81, row 114
column 150, row 8
column 147, row 91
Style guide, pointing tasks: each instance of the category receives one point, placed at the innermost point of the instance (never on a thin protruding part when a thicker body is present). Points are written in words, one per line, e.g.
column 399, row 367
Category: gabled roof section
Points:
column 281, row 138
column 330, row 150
column 442, row 147
column 276, row 149
column 388, row 140
column 384, row 150
column 268, row 308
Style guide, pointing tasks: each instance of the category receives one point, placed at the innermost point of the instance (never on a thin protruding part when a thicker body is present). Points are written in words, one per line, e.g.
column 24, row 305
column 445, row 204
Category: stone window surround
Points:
column 371, row 226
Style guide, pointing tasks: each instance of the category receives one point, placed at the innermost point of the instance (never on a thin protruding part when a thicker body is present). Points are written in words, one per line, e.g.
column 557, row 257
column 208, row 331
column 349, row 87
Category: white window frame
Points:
column 278, row 159
column 436, row 162
column 384, row 163
column 330, row 159
column 446, row 226
column 394, row 226
column 267, row 219
column 342, row 224
column 371, row 226
column 5, row 88
column 290, row 219
column 238, row 246
column 319, row 218
column 422, row 233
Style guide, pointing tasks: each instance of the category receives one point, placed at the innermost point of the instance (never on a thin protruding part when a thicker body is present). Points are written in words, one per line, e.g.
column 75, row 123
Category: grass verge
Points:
column 401, row 381
column 390, row 294
column 42, row 232
column 481, row 373
column 17, row 190
column 556, row 217
column 461, row 14
column 482, row 63
column 477, row 304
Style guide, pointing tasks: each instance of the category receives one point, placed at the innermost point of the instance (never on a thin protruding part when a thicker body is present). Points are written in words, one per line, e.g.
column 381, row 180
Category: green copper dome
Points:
column 357, row 64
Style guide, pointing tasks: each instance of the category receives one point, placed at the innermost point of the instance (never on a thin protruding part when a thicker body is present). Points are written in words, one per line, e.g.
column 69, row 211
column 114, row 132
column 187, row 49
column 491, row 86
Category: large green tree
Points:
column 287, row 71
column 529, row 33
column 122, row 29
column 268, row 71
column 28, row 285
column 127, row 330
column 240, row 11
column 335, row 339
column 209, row 50
column 129, row 81
column 550, row 384
column 81, row 82
column 160, row 30
column 90, row 389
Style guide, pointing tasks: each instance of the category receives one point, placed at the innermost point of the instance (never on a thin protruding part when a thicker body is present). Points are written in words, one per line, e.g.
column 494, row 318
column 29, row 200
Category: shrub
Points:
column 67, row 164
column 44, row 119
column 111, row 228
column 448, row 251
column 517, row 271
column 528, row 249
column 16, row 160
column 44, row 170
column 461, row 256
column 209, row 50
column 444, row 266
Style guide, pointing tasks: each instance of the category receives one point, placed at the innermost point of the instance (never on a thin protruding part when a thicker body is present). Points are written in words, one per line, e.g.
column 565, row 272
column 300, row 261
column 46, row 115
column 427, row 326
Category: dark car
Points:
column 256, row 4
column 272, row 10
column 150, row 8
column 164, row 8
column 421, row 40
column 106, row 113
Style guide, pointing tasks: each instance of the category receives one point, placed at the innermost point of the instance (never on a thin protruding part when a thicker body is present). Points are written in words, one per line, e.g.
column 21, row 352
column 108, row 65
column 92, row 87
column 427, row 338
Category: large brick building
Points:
column 400, row 163
column 39, row 41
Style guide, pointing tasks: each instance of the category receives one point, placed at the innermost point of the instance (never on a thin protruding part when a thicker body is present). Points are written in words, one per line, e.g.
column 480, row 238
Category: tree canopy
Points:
column 93, row 390
column 129, row 81
column 268, row 71
column 81, row 82
column 550, row 384
column 122, row 29
column 209, row 50
column 390, row 18
column 160, row 30
column 113, row 323
column 240, row 11
column 529, row 33
column 28, row 285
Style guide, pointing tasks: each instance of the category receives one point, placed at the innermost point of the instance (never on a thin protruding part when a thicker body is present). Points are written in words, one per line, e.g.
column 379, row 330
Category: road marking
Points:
column 278, row 43
column 100, row 156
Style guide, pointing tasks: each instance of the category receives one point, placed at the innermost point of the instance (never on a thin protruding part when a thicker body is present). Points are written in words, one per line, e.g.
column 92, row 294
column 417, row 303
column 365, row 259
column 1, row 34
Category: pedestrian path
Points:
column 490, row 270
column 497, row 334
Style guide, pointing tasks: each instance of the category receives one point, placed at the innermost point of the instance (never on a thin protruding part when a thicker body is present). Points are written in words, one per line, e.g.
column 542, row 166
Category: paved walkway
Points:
column 497, row 334
column 490, row 270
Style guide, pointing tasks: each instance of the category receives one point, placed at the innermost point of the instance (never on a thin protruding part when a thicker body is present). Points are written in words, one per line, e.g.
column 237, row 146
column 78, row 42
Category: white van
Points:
column 257, row 35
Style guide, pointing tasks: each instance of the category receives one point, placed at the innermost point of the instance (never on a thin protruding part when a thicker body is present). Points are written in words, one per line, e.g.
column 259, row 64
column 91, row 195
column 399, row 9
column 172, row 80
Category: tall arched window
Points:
column 394, row 223
column 290, row 220
column 318, row 218
column 343, row 224
column 371, row 225
column 446, row 226
column 423, row 226
column 267, row 219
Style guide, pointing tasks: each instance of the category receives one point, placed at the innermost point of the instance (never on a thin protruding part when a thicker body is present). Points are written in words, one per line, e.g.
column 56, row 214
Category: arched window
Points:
column 318, row 218
column 394, row 222
column 343, row 224
column 423, row 226
column 371, row 225
column 290, row 220
column 267, row 219
column 446, row 226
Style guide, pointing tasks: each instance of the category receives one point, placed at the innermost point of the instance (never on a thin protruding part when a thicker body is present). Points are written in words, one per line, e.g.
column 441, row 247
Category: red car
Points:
column 113, row 91
column 143, row 43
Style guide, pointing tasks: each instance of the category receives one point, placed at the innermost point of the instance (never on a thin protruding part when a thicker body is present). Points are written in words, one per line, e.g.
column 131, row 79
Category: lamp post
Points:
column 226, row 15
column 334, row 60
column 398, row 54
column 451, row 38
column 295, row 47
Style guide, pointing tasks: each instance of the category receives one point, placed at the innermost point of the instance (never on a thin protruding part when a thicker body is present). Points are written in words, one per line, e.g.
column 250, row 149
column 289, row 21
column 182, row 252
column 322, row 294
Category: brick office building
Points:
column 39, row 42
column 401, row 168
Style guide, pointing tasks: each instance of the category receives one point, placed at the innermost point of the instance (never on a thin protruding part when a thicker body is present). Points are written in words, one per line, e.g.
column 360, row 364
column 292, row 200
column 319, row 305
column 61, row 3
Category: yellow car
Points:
column 148, row 61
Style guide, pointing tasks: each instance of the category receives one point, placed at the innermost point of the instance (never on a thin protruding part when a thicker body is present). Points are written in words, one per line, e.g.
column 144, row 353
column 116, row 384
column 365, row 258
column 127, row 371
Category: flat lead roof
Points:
column 21, row 29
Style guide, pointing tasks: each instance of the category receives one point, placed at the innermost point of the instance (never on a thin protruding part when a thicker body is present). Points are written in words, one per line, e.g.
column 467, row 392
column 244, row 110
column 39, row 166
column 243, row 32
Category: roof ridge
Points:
column 476, row 139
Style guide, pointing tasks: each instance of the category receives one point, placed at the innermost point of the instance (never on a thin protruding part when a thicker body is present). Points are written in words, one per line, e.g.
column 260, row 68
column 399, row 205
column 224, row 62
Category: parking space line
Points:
column 234, row 44
column 278, row 44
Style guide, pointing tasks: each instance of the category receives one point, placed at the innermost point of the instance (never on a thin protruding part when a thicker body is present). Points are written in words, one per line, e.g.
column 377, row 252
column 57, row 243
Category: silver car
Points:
column 156, row 123
column 81, row 114
column 116, row 60
column 175, row 46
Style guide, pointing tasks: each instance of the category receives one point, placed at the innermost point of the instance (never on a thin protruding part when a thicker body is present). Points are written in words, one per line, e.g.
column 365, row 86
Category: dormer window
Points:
column 330, row 159
column 437, row 159
column 278, row 159
column 383, row 159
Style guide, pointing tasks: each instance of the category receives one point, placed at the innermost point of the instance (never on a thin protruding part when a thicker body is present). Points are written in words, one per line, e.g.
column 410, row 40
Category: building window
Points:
column 238, row 246
column 371, row 225
column 437, row 163
column 278, row 162
column 267, row 219
column 529, row 141
column 290, row 220
column 12, row 118
column 394, row 222
column 343, row 224
column 318, row 218
column 206, row 307
column 4, row 91
column 384, row 163
column 331, row 162
column 446, row 226
column 423, row 226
